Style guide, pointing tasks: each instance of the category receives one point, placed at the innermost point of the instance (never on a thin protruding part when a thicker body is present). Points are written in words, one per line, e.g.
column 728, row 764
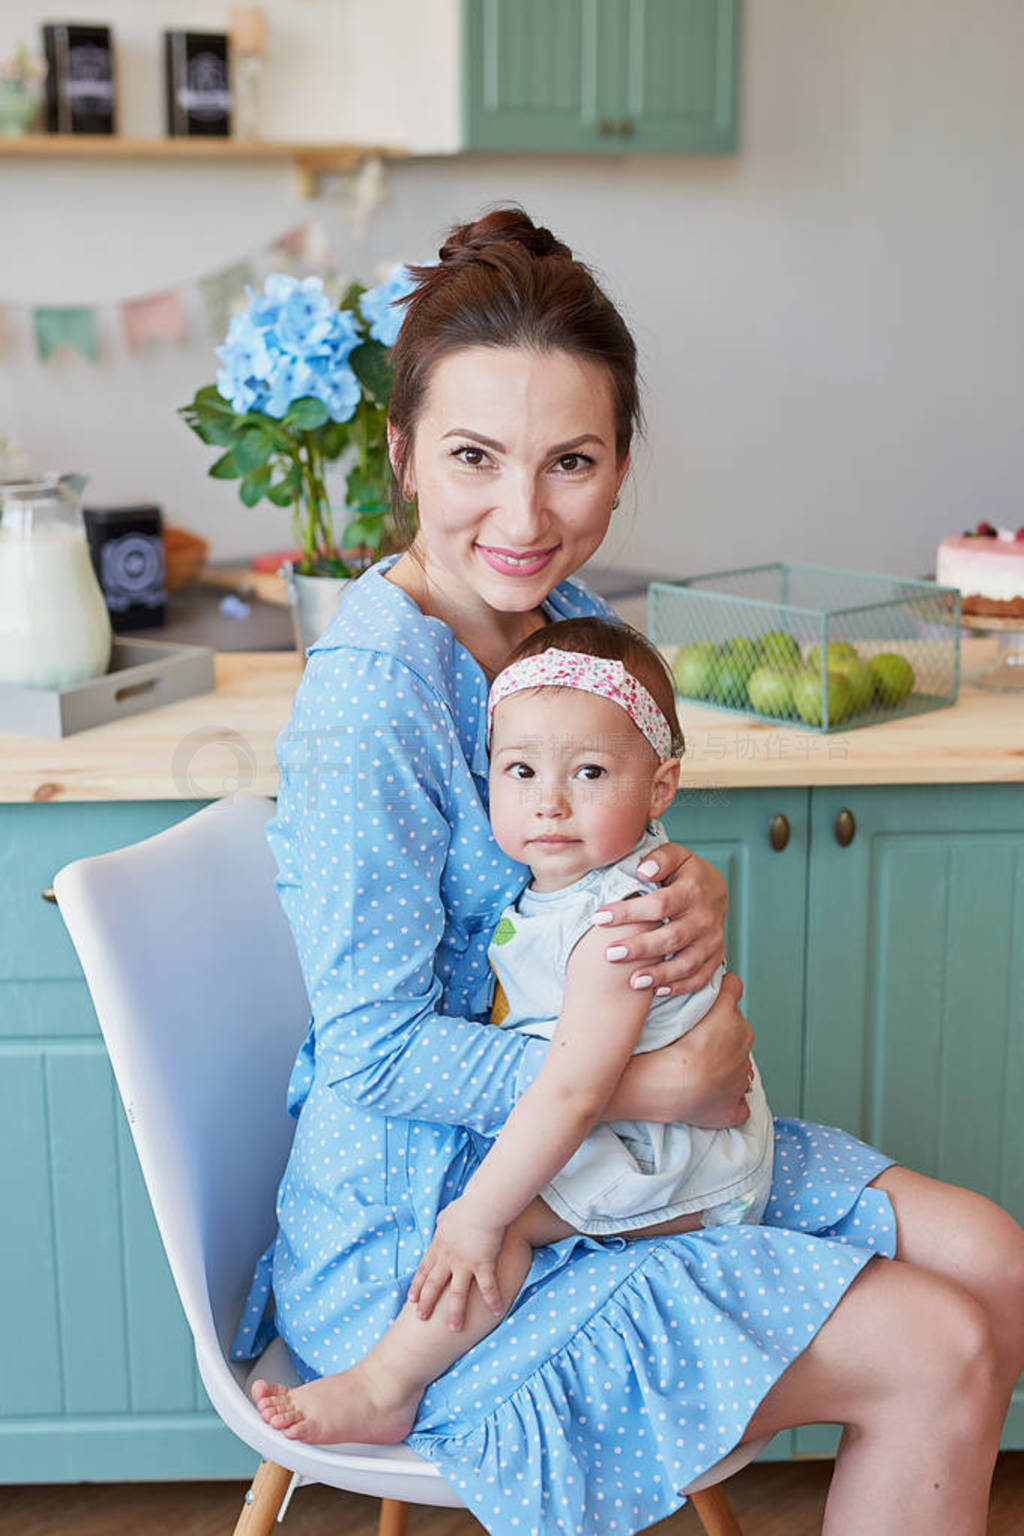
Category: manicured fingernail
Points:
column 616, row 952
column 602, row 917
column 639, row 982
column 648, row 869
column 663, row 991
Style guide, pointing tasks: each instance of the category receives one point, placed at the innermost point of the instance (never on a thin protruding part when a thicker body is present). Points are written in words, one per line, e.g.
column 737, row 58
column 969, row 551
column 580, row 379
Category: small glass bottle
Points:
column 54, row 626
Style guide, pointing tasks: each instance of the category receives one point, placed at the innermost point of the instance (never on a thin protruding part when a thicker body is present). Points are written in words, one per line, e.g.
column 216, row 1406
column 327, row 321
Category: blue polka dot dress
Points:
column 624, row 1369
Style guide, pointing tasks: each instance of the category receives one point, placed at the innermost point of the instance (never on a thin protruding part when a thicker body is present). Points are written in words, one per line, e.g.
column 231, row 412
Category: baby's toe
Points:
column 299, row 1429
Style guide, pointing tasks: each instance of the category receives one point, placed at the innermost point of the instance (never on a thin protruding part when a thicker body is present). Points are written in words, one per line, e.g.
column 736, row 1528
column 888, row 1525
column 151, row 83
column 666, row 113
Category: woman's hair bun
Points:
column 503, row 226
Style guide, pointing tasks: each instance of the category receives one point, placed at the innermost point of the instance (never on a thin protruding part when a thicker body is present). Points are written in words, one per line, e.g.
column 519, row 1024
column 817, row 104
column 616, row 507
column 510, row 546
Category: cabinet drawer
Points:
column 36, row 841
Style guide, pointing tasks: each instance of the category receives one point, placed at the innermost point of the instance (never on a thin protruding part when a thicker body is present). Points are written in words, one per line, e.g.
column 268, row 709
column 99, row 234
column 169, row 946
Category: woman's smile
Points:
column 509, row 563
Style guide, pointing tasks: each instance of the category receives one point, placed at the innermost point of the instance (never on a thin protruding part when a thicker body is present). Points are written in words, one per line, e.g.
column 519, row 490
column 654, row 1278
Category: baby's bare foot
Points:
column 353, row 1407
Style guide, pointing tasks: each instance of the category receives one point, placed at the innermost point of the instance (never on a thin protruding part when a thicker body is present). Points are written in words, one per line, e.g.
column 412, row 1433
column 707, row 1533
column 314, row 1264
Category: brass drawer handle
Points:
column 778, row 832
column 845, row 828
column 47, row 893
column 606, row 127
column 626, row 128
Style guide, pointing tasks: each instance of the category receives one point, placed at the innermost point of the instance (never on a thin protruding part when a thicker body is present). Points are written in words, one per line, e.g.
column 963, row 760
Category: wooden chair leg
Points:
column 714, row 1512
column 263, row 1500
column 394, row 1517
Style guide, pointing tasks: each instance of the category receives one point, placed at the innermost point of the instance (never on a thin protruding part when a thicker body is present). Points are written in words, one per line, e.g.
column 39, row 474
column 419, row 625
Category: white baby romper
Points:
column 628, row 1174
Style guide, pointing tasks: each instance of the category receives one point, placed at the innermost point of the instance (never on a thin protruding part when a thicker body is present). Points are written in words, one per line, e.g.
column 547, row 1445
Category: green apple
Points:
column 770, row 690
column 692, row 668
column 860, row 678
column 779, row 648
column 809, row 696
column 893, row 675
column 836, row 650
column 735, row 660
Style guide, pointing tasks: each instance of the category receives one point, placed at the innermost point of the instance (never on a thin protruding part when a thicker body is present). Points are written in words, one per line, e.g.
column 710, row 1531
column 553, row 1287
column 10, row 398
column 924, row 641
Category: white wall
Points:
column 830, row 322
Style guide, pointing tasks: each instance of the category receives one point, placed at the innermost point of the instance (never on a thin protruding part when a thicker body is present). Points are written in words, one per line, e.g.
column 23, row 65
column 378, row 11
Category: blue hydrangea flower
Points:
column 290, row 341
column 380, row 307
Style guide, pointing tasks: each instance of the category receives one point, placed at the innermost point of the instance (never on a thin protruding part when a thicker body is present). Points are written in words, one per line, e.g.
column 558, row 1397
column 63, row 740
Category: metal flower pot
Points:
column 314, row 602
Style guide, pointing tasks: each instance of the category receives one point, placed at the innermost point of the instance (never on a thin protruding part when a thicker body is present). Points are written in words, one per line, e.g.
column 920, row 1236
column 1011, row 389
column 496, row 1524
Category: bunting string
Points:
column 152, row 320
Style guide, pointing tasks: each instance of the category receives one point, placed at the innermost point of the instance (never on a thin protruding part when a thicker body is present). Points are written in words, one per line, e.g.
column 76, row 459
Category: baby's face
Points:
column 573, row 783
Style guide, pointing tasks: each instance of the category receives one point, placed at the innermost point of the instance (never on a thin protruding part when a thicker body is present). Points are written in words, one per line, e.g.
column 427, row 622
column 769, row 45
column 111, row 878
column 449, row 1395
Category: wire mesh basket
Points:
column 809, row 646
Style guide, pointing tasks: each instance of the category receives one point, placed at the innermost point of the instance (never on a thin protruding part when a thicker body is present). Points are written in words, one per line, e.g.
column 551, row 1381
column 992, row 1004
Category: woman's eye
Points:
column 571, row 463
column 590, row 772
column 520, row 770
column 467, row 454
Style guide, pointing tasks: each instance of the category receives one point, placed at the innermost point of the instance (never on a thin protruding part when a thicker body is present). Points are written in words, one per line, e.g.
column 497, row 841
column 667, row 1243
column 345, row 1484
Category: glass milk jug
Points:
column 54, row 624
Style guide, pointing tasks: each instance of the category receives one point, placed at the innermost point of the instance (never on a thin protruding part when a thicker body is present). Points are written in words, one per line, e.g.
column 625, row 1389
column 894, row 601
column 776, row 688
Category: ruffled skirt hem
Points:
column 661, row 1379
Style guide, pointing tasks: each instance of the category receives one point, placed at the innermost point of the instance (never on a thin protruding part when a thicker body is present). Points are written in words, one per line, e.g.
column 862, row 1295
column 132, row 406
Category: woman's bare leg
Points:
column 906, row 1363
column 968, row 1239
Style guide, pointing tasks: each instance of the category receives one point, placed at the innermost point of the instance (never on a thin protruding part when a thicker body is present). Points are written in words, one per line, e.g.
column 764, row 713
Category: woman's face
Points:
column 514, row 468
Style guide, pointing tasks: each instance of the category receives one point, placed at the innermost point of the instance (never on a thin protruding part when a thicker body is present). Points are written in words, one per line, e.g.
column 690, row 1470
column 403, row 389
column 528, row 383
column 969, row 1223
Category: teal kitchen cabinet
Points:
column 882, row 952
column 601, row 76
column 97, row 1375
column 914, row 1025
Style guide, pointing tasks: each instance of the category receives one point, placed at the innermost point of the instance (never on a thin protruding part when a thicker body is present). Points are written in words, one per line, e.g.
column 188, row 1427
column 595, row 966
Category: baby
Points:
column 584, row 744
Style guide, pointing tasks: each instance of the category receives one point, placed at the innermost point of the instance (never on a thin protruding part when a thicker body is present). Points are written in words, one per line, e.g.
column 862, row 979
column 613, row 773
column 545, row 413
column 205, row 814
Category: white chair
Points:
column 197, row 987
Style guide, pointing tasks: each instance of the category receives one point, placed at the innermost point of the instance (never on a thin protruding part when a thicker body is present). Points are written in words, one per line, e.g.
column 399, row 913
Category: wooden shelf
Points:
column 310, row 160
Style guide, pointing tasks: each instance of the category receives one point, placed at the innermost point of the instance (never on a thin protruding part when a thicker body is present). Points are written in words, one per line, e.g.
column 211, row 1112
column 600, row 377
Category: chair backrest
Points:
column 197, row 987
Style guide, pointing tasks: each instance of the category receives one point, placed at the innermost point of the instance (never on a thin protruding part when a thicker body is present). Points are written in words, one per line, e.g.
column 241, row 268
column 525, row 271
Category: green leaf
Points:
column 336, row 567
column 363, row 530
column 280, row 495
column 360, row 489
column 225, row 468
column 253, row 448
column 292, row 480
column 350, row 298
column 333, row 438
column 306, row 414
column 210, row 398
column 371, row 367
column 216, row 430
column 254, row 486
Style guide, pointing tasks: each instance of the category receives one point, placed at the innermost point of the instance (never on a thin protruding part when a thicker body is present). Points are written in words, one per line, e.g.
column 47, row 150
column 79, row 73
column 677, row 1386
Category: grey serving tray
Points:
column 143, row 674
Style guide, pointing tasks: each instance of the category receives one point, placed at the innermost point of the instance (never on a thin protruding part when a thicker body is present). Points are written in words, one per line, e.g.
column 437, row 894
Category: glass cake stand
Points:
column 1004, row 671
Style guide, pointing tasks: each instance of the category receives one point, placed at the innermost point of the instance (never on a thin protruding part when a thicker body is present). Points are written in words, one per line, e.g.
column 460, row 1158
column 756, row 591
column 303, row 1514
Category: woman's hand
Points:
column 685, row 943
column 701, row 1079
column 464, row 1248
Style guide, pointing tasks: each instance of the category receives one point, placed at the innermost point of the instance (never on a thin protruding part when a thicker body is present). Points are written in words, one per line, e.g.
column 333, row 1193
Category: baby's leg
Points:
column 539, row 1225
column 375, row 1401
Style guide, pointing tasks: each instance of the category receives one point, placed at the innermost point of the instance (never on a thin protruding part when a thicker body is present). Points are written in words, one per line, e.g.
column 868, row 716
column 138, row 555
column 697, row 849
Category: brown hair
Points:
column 612, row 641
column 504, row 281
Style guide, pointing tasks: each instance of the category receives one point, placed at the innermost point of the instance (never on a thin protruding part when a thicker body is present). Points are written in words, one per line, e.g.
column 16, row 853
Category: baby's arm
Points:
column 597, row 1030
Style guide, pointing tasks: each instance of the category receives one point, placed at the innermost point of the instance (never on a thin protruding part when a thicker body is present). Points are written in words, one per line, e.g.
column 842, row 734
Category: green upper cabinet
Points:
column 601, row 76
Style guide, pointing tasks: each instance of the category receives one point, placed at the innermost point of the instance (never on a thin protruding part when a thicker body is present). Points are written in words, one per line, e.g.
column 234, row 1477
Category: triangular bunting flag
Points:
column 157, row 317
column 224, row 292
column 66, row 327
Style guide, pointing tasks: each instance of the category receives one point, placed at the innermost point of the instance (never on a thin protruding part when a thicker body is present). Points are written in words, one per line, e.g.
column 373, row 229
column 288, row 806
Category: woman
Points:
column 872, row 1297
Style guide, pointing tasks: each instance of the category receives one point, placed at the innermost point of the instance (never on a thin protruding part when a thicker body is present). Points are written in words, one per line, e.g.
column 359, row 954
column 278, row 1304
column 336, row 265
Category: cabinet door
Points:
column 764, row 931
column 98, row 1374
column 601, row 76
column 765, row 922
column 915, row 984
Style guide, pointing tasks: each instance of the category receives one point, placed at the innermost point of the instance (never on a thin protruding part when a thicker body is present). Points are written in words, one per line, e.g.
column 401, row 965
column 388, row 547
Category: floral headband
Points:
column 591, row 674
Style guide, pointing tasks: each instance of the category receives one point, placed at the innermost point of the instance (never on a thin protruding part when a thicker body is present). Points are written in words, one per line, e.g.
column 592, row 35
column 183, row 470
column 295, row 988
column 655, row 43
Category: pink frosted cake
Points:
column 988, row 568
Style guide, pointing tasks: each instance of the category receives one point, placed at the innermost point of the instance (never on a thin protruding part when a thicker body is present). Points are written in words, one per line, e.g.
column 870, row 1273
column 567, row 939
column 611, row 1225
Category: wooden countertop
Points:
column 222, row 743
